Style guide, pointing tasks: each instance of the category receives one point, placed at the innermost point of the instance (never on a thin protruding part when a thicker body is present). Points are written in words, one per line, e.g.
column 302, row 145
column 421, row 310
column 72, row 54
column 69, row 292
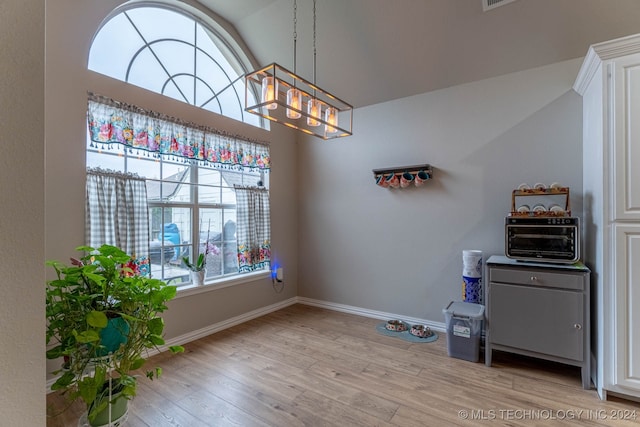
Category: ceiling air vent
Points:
column 492, row 4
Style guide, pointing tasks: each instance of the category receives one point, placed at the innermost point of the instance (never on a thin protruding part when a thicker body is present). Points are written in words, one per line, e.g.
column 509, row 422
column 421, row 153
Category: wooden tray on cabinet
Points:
column 556, row 191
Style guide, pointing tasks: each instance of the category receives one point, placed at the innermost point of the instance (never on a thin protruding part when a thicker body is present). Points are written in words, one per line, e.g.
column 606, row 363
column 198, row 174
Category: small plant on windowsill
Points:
column 198, row 265
column 197, row 268
column 201, row 261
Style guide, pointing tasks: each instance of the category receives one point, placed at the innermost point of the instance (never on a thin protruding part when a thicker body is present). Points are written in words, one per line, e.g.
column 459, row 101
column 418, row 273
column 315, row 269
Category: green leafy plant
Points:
column 102, row 318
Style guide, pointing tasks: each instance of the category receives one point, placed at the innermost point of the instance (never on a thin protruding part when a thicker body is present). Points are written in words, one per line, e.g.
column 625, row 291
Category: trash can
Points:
column 464, row 328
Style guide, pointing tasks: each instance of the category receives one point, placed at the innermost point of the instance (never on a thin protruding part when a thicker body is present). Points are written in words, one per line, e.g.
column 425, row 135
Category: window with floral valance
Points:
column 192, row 174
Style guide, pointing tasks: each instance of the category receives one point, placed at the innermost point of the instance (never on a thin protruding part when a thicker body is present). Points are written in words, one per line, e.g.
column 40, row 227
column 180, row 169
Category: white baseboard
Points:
column 226, row 324
column 374, row 314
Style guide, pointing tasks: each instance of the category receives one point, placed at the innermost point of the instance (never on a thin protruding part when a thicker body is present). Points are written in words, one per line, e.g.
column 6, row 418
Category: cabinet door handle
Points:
column 534, row 278
column 577, row 326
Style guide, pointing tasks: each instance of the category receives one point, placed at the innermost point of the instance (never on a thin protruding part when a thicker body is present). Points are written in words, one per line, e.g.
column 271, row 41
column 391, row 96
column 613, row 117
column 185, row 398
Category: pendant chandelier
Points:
column 288, row 99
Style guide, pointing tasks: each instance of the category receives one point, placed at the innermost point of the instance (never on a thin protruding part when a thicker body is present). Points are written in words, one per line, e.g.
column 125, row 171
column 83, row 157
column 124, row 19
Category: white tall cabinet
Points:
column 609, row 82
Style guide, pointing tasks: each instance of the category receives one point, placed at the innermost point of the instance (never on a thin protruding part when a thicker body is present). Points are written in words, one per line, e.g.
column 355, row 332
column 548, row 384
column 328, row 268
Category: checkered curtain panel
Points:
column 253, row 228
column 116, row 212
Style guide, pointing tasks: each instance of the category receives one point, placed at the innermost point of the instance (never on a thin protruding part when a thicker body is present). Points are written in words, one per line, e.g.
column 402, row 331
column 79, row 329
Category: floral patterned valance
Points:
column 113, row 122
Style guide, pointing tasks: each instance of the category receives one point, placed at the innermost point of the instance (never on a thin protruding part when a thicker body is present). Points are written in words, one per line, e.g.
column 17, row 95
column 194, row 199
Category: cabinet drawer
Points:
column 536, row 277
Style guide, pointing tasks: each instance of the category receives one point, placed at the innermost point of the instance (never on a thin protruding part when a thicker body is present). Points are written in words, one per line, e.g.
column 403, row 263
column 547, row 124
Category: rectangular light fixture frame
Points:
column 286, row 80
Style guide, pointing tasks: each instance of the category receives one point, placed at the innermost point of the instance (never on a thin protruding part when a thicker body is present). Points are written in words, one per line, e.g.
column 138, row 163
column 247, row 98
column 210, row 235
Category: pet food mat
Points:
column 404, row 335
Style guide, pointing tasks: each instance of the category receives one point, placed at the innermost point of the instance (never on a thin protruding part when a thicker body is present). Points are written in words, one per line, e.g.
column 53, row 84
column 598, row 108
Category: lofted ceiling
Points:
column 371, row 51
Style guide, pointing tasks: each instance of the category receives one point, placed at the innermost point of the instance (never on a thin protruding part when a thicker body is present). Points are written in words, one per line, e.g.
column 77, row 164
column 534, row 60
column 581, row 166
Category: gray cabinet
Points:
column 539, row 310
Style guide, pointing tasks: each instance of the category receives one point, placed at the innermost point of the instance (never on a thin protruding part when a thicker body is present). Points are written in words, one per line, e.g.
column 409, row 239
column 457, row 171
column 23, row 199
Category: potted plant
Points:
column 197, row 268
column 102, row 317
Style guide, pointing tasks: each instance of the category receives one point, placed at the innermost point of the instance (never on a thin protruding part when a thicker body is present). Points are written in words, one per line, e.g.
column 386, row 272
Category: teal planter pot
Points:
column 112, row 336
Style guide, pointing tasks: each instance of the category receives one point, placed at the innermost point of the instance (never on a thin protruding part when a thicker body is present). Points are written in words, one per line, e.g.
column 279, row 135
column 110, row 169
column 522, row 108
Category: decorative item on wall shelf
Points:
column 403, row 176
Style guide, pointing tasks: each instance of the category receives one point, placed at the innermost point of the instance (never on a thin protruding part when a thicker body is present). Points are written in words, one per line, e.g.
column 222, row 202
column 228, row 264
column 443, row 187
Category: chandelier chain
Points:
column 295, row 33
column 314, row 42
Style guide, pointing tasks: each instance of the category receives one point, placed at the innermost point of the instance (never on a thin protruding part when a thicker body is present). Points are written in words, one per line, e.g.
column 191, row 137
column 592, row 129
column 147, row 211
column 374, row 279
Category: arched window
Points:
column 196, row 191
column 169, row 51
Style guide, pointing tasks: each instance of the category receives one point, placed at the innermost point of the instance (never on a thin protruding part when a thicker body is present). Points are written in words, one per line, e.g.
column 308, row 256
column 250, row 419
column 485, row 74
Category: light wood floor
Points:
column 305, row 366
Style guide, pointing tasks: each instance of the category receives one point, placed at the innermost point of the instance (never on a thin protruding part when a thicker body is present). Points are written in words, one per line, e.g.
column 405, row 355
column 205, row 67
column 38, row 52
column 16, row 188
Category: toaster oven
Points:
column 543, row 239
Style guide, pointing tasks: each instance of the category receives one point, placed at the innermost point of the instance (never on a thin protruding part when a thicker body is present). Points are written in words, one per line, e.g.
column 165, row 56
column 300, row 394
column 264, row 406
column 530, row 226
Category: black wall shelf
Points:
column 419, row 174
column 414, row 169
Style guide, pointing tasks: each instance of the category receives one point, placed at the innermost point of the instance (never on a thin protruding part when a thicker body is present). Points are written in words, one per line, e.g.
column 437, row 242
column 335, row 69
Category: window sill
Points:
column 213, row 285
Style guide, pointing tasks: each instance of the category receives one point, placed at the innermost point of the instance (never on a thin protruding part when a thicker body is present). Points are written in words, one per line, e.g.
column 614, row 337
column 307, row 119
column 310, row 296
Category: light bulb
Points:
column 294, row 100
column 270, row 92
column 314, row 110
column 331, row 117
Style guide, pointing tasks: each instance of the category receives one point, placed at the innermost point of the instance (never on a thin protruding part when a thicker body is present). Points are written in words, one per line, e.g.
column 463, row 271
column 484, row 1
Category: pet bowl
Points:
column 421, row 331
column 396, row 325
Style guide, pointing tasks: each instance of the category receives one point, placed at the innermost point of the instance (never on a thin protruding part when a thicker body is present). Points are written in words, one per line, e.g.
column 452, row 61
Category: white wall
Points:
column 400, row 251
column 22, row 221
column 70, row 28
